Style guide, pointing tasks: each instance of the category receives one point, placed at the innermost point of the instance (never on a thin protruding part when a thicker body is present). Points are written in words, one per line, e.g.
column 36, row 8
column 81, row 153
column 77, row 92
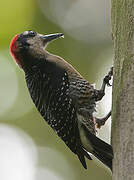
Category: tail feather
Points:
column 81, row 155
column 82, row 160
column 101, row 149
column 102, row 157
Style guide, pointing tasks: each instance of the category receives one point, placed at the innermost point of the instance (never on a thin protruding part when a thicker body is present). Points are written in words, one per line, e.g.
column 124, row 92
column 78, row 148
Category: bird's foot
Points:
column 101, row 121
column 100, row 93
column 108, row 77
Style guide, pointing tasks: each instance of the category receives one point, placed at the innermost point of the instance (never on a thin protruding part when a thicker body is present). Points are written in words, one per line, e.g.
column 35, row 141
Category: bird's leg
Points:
column 101, row 121
column 100, row 93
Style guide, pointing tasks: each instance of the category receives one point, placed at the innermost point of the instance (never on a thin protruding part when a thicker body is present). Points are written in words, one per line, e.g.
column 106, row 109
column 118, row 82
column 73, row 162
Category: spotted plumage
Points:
column 62, row 96
column 54, row 103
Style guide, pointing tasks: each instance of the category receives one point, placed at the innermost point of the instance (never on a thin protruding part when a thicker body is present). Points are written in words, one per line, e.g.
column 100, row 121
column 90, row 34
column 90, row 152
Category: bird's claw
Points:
column 99, row 123
column 108, row 77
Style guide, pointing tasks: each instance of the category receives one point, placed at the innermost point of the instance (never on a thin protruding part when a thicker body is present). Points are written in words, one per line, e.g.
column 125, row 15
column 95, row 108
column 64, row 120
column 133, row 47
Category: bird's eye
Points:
column 32, row 33
column 29, row 33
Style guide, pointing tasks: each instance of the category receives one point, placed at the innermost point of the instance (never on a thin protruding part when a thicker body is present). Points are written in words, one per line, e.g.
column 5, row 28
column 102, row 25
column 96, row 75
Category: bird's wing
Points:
column 81, row 91
column 82, row 94
column 57, row 108
column 85, row 103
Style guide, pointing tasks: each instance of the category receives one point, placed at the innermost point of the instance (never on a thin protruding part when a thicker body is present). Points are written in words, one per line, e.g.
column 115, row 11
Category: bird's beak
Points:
column 50, row 37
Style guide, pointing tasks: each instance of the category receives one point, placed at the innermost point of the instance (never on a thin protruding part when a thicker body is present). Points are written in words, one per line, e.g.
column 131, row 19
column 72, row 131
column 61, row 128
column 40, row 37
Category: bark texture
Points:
column 122, row 18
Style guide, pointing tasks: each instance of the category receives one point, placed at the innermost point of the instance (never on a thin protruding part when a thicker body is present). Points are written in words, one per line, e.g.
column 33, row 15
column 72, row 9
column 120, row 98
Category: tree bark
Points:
column 122, row 19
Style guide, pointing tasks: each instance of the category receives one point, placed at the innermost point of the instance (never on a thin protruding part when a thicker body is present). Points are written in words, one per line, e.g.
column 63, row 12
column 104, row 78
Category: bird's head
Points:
column 30, row 42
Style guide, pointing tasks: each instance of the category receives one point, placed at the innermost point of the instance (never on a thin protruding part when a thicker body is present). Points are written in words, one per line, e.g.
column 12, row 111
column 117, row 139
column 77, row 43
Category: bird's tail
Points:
column 101, row 149
column 81, row 155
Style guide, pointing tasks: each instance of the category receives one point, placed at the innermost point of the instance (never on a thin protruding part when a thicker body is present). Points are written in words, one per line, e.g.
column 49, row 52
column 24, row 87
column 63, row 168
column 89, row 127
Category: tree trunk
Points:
column 122, row 19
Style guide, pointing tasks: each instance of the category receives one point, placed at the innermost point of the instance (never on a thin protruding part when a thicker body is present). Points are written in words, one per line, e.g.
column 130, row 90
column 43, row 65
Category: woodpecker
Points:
column 62, row 96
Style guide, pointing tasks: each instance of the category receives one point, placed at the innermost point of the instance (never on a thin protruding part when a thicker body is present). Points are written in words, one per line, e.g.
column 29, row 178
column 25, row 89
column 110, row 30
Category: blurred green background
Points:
column 29, row 149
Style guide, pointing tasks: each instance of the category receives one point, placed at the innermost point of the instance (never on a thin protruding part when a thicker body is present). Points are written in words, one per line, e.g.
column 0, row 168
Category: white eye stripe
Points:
column 26, row 33
column 29, row 33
